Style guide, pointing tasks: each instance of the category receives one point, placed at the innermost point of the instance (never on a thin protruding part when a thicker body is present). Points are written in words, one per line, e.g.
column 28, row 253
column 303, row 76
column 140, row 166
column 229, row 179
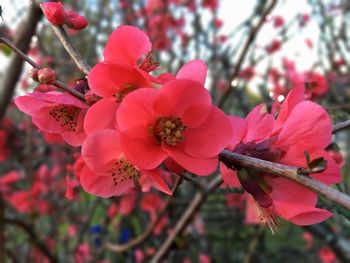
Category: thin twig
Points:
column 140, row 238
column 34, row 238
column 72, row 51
column 341, row 126
column 186, row 217
column 58, row 83
column 289, row 172
column 253, row 33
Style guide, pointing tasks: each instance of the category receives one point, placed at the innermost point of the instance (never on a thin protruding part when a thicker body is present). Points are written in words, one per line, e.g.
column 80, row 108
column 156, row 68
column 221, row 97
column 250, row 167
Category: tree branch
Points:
column 139, row 239
column 24, row 35
column 34, row 238
column 253, row 33
column 71, row 50
column 186, row 217
column 289, row 172
column 58, row 83
column 341, row 126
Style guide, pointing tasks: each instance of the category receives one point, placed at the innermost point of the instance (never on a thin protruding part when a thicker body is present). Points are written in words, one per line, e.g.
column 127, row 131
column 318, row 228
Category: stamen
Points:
column 66, row 115
column 269, row 217
column 149, row 64
column 123, row 170
column 169, row 130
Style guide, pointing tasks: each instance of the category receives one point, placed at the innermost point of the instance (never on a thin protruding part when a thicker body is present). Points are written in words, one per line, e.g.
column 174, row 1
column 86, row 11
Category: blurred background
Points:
column 45, row 216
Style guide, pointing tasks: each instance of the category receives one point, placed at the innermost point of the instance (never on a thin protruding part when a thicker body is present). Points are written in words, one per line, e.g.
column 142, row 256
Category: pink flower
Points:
column 178, row 121
column 108, row 172
column 54, row 12
column 278, row 21
column 273, row 47
column 55, row 112
column 118, row 75
column 284, row 140
column 327, row 255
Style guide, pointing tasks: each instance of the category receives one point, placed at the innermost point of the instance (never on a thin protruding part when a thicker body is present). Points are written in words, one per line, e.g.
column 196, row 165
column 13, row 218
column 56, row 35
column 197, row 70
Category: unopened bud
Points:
column 75, row 21
column 54, row 12
column 47, row 76
column 34, row 74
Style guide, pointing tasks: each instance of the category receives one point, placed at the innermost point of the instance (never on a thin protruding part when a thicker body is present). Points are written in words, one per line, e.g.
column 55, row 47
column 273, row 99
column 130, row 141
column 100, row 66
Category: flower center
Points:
column 149, row 64
column 169, row 130
column 121, row 94
column 124, row 170
column 66, row 116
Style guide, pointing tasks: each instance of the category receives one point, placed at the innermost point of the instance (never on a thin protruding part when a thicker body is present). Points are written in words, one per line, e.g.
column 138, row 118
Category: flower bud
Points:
column 34, row 74
column 75, row 21
column 54, row 12
column 47, row 76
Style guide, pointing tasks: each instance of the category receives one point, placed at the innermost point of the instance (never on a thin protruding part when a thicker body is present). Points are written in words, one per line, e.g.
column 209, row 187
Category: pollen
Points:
column 169, row 130
column 123, row 170
column 66, row 116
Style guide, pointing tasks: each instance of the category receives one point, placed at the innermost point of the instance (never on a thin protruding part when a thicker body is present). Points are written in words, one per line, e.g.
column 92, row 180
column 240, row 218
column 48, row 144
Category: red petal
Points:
column 127, row 44
column 209, row 139
column 198, row 166
column 194, row 70
column 142, row 149
column 157, row 180
column 229, row 176
column 308, row 125
column 136, row 109
column 101, row 150
column 260, row 124
column 177, row 96
column 96, row 117
column 103, row 186
column 300, row 214
column 106, row 79
column 239, row 127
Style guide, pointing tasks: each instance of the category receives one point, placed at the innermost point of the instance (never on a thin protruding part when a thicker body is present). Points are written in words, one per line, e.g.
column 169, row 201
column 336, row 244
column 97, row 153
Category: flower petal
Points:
column 96, row 117
column 198, row 166
column 102, row 186
column 194, row 70
column 107, row 79
column 308, row 125
column 136, row 109
column 101, row 150
column 128, row 44
column 142, row 149
column 210, row 138
column 177, row 96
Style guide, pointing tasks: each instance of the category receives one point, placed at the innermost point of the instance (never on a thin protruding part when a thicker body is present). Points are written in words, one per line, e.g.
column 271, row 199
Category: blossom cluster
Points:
column 136, row 128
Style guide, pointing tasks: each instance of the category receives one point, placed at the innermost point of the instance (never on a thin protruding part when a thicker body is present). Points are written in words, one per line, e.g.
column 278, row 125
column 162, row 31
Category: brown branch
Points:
column 288, row 172
column 186, row 217
column 230, row 158
column 341, row 126
column 253, row 33
column 24, row 34
column 71, row 50
column 34, row 238
column 139, row 239
column 58, row 83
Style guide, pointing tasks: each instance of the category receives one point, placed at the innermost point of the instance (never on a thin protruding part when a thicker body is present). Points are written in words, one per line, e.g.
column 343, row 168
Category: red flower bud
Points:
column 54, row 12
column 47, row 76
column 75, row 21
column 34, row 74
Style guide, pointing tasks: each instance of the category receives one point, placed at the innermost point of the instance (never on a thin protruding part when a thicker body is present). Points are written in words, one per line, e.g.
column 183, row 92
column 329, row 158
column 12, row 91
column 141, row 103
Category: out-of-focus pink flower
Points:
column 327, row 255
column 274, row 46
column 278, row 21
